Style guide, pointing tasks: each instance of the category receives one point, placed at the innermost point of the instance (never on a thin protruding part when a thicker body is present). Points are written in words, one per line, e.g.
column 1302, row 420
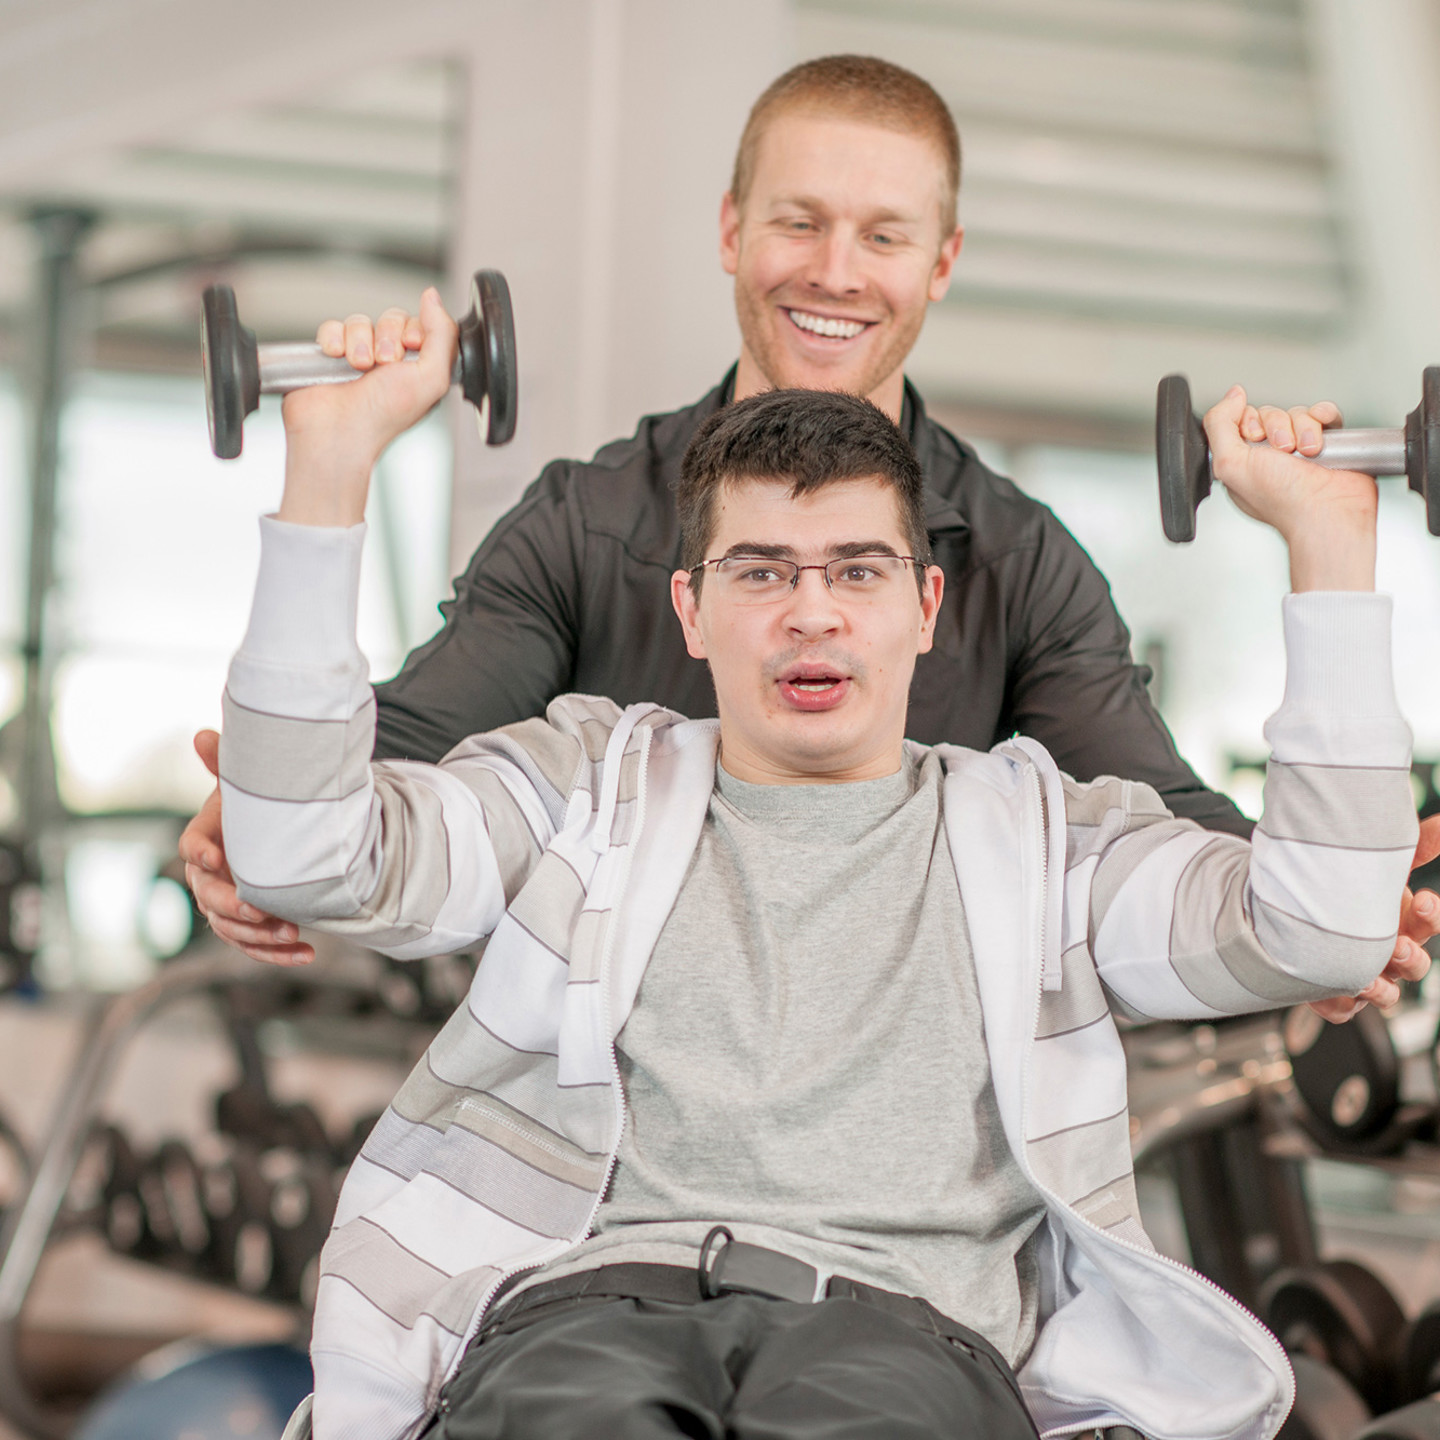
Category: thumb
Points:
column 207, row 747
column 1429, row 846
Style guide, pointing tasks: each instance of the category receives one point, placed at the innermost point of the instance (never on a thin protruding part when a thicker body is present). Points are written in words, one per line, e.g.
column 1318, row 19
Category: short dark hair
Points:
column 856, row 87
column 806, row 439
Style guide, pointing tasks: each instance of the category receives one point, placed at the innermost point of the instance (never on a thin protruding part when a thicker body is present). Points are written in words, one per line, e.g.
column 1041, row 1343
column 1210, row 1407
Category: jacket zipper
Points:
column 617, row 1089
column 1278, row 1350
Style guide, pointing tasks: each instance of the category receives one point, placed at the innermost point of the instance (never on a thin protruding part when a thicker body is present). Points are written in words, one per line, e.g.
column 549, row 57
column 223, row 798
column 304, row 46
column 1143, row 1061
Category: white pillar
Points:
column 1378, row 65
column 598, row 142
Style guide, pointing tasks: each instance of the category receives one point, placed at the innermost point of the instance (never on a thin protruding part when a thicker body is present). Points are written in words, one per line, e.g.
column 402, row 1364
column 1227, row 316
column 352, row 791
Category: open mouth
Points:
column 827, row 327
column 808, row 687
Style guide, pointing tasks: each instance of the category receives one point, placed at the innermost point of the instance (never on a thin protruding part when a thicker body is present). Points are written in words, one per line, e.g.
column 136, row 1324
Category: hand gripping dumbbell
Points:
column 1183, row 453
column 238, row 371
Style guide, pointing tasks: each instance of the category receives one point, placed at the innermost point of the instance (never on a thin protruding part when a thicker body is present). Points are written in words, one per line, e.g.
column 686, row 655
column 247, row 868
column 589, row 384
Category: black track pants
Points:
column 736, row 1368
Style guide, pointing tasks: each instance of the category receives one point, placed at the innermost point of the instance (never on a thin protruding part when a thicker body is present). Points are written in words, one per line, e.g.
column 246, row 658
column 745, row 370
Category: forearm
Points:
column 1188, row 925
column 313, row 833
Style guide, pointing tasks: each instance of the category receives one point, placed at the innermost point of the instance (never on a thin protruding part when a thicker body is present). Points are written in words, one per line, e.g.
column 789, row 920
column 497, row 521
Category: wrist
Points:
column 324, row 484
column 1335, row 553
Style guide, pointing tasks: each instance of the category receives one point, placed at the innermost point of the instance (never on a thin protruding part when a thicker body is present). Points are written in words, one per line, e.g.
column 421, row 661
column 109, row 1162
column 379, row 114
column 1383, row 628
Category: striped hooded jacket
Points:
column 566, row 839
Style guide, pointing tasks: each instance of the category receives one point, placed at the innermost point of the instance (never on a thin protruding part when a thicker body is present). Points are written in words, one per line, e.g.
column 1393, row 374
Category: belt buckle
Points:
column 736, row 1268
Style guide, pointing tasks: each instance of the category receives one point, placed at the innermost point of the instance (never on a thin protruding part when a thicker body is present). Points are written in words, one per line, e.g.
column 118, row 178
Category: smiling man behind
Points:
column 787, row 1102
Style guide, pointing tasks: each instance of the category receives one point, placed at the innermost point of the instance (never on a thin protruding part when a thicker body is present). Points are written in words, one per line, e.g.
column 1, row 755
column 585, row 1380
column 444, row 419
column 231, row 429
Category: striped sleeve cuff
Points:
column 307, row 595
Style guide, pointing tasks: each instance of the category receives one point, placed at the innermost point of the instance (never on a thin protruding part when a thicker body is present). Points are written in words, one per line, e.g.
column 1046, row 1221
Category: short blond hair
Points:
column 857, row 87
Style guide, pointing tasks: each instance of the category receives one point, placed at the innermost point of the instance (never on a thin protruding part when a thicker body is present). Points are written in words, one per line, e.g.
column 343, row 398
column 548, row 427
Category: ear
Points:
column 729, row 234
column 945, row 265
column 687, row 607
column 931, row 594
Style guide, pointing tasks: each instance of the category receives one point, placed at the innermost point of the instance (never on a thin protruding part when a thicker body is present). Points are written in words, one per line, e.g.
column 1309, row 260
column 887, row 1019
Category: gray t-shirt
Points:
column 806, row 1061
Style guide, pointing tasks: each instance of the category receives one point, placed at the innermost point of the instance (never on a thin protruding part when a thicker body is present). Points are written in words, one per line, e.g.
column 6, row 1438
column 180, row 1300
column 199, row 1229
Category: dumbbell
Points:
column 238, row 371
column 1183, row 454
column 1327, row 1406
column 1420, row 1421
column 302, row 1205
column 1420, row 1355
column 1343, row 1315
column 1356, row 1089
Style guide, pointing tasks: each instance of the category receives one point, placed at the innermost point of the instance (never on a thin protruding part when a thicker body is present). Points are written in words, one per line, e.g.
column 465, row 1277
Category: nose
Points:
column 811, row 609
column 833, row 268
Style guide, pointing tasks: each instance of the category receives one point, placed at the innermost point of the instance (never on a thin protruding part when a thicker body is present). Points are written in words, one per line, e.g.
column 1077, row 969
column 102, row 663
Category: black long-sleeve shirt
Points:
column 570, row 592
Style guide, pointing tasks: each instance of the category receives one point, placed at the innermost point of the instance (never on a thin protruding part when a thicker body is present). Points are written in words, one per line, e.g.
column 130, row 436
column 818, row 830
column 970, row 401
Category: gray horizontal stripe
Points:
column 363, row 1252
column 1077, row 1161
column 1208, row 902
column 550, row 904
column 587, row 949
column 1320, row 804
column 1240, row 951
column 281, row 757
column 1080, row 1000
column 466, row 1052
column 415, row 865
column 393, row 1279
column 517, row 848
column 1118, row 865
column 483, row 1172
column 551, row 759
column 1070, row 1129
column 1286, row 934
column 1111, row 1203
column 425, row 1099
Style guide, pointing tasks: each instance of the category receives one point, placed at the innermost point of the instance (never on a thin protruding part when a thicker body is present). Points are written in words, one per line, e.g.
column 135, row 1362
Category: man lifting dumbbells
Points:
column 788, row 1101
column 840, row 228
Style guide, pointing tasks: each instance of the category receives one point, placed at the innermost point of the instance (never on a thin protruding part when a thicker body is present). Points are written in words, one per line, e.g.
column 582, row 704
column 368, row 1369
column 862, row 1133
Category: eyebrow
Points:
column 847, row 550
column 879, row 217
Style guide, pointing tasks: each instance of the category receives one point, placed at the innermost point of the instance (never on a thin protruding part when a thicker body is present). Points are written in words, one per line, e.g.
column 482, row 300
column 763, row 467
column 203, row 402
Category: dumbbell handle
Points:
column 1371, row 452
column 294, row 365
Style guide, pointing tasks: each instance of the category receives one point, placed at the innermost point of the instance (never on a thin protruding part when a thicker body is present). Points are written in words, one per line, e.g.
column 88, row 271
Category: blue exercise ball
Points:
column 244, row 1392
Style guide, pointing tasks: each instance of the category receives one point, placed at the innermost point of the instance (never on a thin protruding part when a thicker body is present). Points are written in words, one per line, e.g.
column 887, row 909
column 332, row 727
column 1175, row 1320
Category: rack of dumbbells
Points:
column 1232, row 1114
column 246, row 1206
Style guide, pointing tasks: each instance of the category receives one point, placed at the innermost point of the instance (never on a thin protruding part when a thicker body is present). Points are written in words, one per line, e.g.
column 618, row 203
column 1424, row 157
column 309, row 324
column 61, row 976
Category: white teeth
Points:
column 820, row 325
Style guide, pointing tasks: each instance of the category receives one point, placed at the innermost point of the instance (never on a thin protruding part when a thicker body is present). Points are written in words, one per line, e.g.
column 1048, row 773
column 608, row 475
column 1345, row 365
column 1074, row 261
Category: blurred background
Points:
column 1236, row 189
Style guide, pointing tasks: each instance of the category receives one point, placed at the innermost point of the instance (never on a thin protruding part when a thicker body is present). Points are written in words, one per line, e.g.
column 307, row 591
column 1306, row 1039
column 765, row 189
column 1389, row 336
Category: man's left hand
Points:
column 1419, row 921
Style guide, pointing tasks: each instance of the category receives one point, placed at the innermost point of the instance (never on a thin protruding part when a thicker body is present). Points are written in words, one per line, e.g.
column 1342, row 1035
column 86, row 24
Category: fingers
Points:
column 1338, row 1010
column 1420, row 916
column 242, row 926
column 202, row 842
column 1429, row 845
column 207, row 747
column 364, row 342
column 1411, row 961
column 390, row 334
column 1298, row 429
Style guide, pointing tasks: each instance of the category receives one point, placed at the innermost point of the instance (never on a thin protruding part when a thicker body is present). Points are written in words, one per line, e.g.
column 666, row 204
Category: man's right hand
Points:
column 202, row 848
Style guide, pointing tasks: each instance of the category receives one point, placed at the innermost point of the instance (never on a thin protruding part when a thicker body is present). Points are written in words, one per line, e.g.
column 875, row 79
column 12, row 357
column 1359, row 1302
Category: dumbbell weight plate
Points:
column 1183, row 458
column 1341, row 1314
column 1420, row 1421
column 302, row 1205
column 1346, row 1076
column 487, row 355
column 1420, row 1355
column 237, row 1206
column 230, row 361
column 1327, row 1405
column 1422, row 446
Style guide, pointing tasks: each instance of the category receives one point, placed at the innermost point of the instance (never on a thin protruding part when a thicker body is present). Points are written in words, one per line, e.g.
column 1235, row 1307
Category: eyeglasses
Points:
column 756, row 580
